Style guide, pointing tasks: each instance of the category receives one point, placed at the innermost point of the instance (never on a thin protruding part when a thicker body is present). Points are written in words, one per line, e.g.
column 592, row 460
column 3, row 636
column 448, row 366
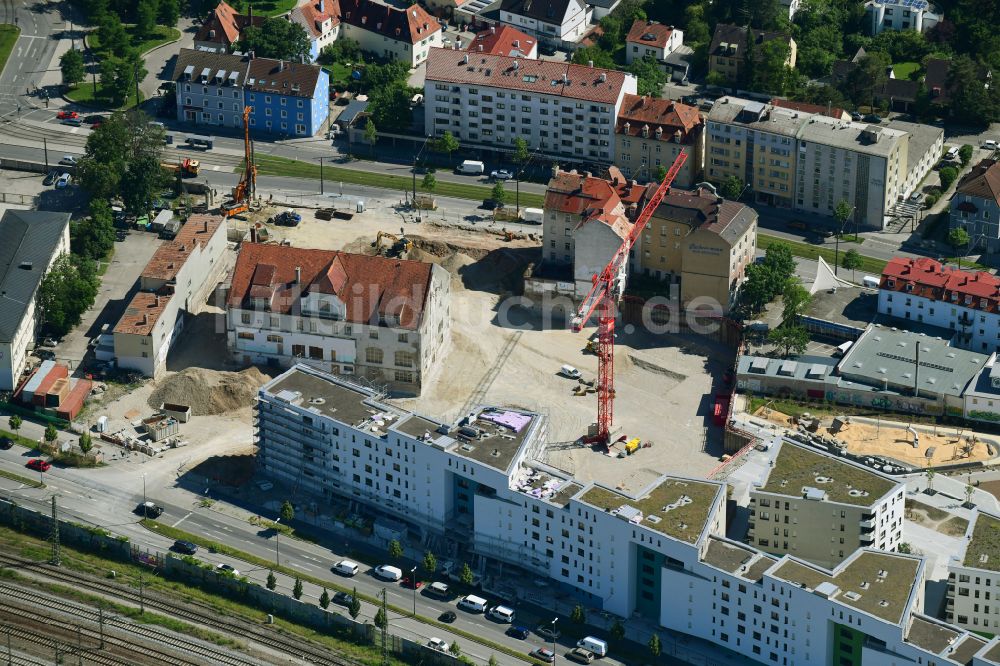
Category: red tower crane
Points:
column 602, row 299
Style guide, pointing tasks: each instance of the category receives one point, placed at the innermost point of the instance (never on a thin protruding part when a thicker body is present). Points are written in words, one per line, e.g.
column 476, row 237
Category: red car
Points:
column 407, row 583
column 66, row 115
column 39, row 465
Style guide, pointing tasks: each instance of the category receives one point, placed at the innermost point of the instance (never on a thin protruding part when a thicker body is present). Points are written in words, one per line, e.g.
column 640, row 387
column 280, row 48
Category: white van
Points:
column 502, row 614
column 473, row 604
column 388, row 572
column 437, row 589
column 595, row 645
column 533, row 215
column 569, row 371
column 346, row 568
column 952, row 153
column 472, row 168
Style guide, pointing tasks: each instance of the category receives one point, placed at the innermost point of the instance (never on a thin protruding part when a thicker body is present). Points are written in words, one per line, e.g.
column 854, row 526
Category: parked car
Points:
column 49, row 342
column 546, row 49
column 412, row 584
column 916, row 197
column 490, row 204
column 437, row 644
column 227, row 568
column 94, row 119
column 63, row 181
column 798, row 224
column 501, row 174
column 857, row 117
column 50, row 177
column 67, row 115
column 447, row 616
column 543, row 654
column 569, row 372
column 990, row 144
column 388, row 572
column 548, row 632
column 75, row 122
column 149, row 509
column 185, row 547
column 68, row 160
column 6, row 443
column 519, row 633
column 872, row 118
column 39, row 465
column 45, row 354
column 343, row 598
column 690, row 100
column 580, row 656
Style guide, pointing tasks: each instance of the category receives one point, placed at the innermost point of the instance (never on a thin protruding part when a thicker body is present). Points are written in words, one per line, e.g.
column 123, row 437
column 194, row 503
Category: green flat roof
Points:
column 686, row 518
column 983, row 550
column 882, row 596
column 796, row 467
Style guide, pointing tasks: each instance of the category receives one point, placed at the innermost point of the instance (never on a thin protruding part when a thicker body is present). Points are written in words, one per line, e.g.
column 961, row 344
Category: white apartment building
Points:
column 384, row 320
column 210, row 87
column 404, row 34
column 973, row 600
column 564, row 111
column 917, row 15
column 650, row 39
column 822, row 509
column 924, row 291
column 656, row 552
column 557, row 22
column 174, row 284
column 30, row 242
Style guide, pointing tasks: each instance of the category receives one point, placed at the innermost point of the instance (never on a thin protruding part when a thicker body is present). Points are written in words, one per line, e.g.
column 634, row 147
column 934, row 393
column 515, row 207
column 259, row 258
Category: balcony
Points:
column 866, row 539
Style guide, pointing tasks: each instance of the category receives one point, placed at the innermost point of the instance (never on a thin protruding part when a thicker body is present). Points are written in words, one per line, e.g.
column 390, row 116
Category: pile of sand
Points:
column 209, row 391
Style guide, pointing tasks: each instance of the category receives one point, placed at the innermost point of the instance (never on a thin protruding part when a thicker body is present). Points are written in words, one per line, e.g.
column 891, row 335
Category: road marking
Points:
column 215, row 168
column 182, row 519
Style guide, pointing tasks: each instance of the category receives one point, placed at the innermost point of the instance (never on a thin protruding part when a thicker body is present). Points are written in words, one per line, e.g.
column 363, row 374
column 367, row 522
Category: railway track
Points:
column 26, row 635
column 192, row 612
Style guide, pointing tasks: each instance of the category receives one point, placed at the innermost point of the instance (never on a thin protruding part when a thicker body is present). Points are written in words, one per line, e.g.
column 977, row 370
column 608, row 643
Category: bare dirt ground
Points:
column 896, row 442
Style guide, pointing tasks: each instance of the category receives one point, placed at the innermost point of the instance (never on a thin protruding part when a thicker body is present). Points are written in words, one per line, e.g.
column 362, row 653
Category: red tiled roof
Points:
column 227, row 24
column 650, row 33
column 593, row 199
column 283, row 77
column 665, row 114
column 410, row 25
column 169, row 257
column 928, row 278
column 538, row 76
column 805, row 107
column 310, row 16
column 982, row 182
column 142, row 313
column 371, row 288
column 504, row 40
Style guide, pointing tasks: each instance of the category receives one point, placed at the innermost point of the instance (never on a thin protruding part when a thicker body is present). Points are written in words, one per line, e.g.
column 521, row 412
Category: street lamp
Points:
column 414, row 172
column 277, row 533
column 836, row 253
column 554, row 620
column 145, row 509
column 413, row 584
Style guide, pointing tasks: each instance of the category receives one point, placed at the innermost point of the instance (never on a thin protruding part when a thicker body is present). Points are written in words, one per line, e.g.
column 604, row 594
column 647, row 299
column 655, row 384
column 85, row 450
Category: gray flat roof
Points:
column 785, row 122
column 417, row 426
column 883, row 356
column 496, row 445
column 28, row 240
column 727, row 556
column 326, row 396
column 931, row 636
column 828, row 131
column 921, row 137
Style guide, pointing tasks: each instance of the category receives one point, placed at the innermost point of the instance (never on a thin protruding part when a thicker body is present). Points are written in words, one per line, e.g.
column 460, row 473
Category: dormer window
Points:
column 983, row 303
column 891, row 284
column 909, row 287
column 968, row 300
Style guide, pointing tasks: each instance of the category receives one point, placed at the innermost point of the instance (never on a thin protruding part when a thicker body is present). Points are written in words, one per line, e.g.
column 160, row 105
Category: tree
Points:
column 86, row 443
column 447, row 143
column 324, row 599
column 930, row 479
column 732, row 188
column 521, row 152
column 866, row 77
column 379, row 76
column 277, row 38
column 771, row 73
column 958, row 237
column 499, row 194
column 948, row 175
column 287, row 512
column 371, row 135
column 851, row 261
column 389, row 107
column 492, row 661
column 778, row 257
column 145, row 18
column 756, row 291
column 430, row 562
column 111, row 35
column 51, row 434
column 969, row 490
column 618, row 630
column 429, row 182
column 905, row 548
column 354, row 608
column 841, row 213
column 965, row 154
column 716, row 78
column 15, row 424
column 71, row 64
column 455, row 649
column 578, row 615
column 168, row 13
column 971, row 101
column 380, row 620
column 654, row 645
column 272, row 582
column 395, row 549
column 466, row 576
column 94, row 236
column 297, row 588
column 796, row 299
column 118, row 75
column 651, row 77
column 601, row 58
column 344, row 51
column 791, row 339
column 66, row 292
column 660, row 173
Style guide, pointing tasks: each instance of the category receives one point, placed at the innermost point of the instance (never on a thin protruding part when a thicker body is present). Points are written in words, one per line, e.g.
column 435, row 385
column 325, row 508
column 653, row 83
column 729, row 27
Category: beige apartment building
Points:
column 702, row 241
column 175, row 283
column 822, row 509
column 651, row 133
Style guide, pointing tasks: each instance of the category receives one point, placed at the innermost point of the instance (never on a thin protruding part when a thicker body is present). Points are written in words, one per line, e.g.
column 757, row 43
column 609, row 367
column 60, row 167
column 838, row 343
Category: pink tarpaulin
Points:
column 513, row 420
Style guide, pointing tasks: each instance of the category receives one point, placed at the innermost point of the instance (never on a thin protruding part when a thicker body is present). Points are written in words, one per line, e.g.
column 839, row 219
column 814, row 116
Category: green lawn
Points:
column 83, row 94
column 903, row 70
column 163, row 35
column 8, row 37
column 807, row 251
column 272, row 7
column 269, row 165
column 340, row 75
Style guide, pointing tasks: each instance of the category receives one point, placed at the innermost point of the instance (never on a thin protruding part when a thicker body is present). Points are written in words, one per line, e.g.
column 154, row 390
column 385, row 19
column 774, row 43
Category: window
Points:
column 298, row 350
column 404, row 376
column 316, row 353
column 245, row 336
column 373, row 355
column 245, row 318
column 404, row 359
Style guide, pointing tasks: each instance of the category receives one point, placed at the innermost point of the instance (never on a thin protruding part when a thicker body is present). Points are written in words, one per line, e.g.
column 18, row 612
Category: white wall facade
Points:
column 638, row 51
column 386, row 47
column 889, row 16
column 982, row 329
column 568, row 30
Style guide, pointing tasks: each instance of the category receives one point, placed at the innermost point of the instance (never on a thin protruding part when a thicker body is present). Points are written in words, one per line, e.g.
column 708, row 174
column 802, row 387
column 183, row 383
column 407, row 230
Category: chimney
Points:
column 480, row 48
column 493, row 30
column 465, row 59
column 211, row 34
column 590, row 64
column 517, row 43
column 281, row 65
column 205, row 226
column 322, row 6
column 253, row 234
column 298, row 275
column 603, row 77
